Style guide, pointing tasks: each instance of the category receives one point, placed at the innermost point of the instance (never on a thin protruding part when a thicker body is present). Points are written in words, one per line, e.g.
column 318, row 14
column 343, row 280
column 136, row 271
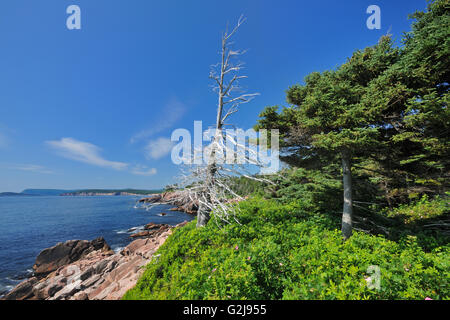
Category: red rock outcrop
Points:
column 179, row 199
column 89, row 270
column 65, row 253
column 151, row 230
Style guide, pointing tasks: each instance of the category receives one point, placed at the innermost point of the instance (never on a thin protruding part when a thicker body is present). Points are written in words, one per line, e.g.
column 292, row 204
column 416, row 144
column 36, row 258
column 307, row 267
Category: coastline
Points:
column 120, row 220
column 96, row 194
column 90, row 270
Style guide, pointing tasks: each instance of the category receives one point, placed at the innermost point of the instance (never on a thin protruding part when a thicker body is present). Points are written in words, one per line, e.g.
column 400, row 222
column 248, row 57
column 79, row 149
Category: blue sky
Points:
column 93, row 108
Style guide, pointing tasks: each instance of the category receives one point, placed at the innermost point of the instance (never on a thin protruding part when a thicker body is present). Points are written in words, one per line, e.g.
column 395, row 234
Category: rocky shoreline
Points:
column 96, row 194
column 179, row 199
column 90, row 270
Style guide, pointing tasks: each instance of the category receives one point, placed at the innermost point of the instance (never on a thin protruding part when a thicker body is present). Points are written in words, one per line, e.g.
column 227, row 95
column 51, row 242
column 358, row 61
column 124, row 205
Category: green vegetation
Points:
column 422, row 210
column 282, row 251
column 368, row 148
column 382, row 116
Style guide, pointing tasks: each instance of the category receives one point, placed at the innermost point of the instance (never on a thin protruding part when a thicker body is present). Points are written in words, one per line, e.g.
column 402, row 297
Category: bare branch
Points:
column 242, row 99
column 241, row 20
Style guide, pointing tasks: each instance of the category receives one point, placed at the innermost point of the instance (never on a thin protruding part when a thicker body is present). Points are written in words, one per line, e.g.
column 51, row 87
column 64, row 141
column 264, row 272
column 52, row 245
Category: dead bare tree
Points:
column 210, row 184
column 226, row 76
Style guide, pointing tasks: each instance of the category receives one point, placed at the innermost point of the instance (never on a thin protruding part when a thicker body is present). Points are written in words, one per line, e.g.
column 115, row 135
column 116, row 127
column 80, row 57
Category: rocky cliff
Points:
column 90, row 270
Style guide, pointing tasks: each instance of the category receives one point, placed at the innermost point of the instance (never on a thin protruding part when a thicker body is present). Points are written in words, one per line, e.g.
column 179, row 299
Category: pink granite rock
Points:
column 89, row 271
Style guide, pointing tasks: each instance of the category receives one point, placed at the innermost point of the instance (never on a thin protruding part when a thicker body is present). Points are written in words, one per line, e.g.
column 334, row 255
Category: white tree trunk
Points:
column 204, row 212
column 203, row 216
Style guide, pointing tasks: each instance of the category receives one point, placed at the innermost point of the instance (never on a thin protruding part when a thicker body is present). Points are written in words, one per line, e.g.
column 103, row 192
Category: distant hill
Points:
column 110, row 192
column 45, row 192
column 84, row 192
column 9, row 194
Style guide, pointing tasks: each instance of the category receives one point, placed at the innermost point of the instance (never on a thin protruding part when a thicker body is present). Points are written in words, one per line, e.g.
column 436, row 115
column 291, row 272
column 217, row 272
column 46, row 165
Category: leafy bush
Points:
column 281, row 251
column 422, row 209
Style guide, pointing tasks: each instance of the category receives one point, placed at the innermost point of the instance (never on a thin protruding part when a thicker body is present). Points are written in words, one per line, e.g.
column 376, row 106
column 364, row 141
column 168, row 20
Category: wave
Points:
column 117, row 248
column 136, row 229
column 131, row 230
column 4, row 289
column 7, row 284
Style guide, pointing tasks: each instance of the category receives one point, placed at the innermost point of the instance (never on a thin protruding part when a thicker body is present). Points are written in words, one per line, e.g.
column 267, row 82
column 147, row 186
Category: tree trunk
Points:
column 204, row 212
column 347, row 212
column 203, row 216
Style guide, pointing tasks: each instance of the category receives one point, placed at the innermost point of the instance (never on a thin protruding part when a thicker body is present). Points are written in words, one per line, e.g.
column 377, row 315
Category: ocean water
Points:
column 30, row 224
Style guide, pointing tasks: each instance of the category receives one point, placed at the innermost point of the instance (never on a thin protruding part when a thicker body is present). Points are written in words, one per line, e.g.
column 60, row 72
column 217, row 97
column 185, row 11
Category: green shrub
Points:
column 318, row 190
column 422, row 209
column 330, row 269
column 282, row 252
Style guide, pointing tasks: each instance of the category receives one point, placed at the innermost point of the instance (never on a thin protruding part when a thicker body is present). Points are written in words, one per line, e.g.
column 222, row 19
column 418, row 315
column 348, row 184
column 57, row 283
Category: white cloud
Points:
column 173, row 111
column 158, row 148
column 32, row 168
column 143, row 171
column 84, row 152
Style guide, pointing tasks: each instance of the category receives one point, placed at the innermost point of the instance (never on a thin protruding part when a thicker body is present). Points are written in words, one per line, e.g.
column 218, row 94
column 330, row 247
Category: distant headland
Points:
column 84, row 192
column 112, row 192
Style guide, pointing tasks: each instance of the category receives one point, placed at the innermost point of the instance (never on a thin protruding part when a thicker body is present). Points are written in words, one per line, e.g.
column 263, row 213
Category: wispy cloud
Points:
column 3, row 140
column 83, row 152
column 158, row 148
column 143, row 171
column 32, row 168
column 174, row 110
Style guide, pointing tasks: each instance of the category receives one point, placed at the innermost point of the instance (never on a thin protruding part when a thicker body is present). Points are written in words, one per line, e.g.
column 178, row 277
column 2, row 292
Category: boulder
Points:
column 141, row 234
column 151, row 226
column 151, row 230
column 23, row 290
column 65, row 253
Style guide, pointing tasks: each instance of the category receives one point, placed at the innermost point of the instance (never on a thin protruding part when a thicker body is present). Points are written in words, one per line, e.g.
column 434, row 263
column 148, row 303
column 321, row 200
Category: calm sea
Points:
column 30, row 224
